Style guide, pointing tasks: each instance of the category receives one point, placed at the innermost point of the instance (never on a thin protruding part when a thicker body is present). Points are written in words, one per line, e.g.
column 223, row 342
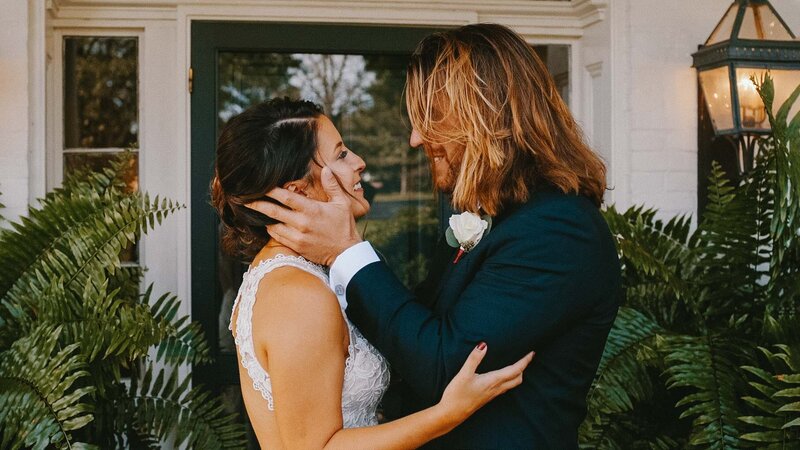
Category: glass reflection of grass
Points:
column 400, row 196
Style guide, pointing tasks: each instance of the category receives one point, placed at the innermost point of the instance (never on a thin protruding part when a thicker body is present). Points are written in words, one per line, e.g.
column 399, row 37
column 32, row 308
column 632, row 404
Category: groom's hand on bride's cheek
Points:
column 319, row 231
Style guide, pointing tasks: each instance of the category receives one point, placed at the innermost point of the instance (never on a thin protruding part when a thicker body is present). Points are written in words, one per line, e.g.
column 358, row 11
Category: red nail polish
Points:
column 482, row 346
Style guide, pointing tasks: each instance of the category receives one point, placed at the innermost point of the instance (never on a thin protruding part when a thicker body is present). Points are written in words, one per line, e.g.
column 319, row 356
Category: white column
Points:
column 14, row 107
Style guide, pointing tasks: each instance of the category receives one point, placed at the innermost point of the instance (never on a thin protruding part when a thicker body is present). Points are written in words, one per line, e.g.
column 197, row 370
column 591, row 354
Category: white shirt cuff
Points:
column 346, row 265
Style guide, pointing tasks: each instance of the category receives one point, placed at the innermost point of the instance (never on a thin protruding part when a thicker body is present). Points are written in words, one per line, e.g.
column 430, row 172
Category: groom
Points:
column 545, row 277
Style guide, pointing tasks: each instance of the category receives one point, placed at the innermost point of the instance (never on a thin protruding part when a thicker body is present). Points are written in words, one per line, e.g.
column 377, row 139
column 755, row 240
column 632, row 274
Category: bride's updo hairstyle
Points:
column 266, row 146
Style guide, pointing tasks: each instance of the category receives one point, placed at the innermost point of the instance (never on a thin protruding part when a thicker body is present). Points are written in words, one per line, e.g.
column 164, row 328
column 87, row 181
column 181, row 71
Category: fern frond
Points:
column 39, row 398
column 655, row 248
column 76, row 238
column 185, row 341
column 785, row 222
column 775, row 401
column 166, row 408
column 622, row 378
column 732, row 248
column 61, row 266
column 657, row 258
column 706, row 367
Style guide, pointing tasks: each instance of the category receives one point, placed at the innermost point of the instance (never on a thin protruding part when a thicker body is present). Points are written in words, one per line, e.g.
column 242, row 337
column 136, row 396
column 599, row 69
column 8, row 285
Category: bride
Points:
column 309, row 378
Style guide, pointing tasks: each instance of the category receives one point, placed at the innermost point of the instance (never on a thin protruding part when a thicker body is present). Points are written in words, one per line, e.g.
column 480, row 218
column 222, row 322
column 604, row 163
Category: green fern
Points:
column 163, row 405
column 654, row 257
column 185, row 344
column 622, row 379
column 706, row 368
column 73, row 323
column 776, row 400
column 700, row 299
column 41, row 398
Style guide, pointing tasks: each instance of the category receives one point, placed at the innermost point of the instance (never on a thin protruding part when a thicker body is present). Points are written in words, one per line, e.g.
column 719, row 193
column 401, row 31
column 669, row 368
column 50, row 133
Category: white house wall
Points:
column 14, row 107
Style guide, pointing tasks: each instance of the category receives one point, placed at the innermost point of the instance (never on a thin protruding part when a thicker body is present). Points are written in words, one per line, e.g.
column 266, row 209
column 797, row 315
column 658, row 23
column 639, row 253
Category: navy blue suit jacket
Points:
column 546, row 278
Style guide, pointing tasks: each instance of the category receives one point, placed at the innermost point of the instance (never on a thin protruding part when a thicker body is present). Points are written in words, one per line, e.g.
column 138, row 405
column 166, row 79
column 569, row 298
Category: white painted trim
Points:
column 588, row 77
column 529, row 18
column 183, row 34
column 576, row 91
column 37, row 67
column 52, row 7
column 620, row 62
column 595, row 69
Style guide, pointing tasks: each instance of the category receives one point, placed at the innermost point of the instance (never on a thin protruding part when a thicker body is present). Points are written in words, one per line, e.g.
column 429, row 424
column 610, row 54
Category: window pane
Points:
column 101, row 92
column 247, row 78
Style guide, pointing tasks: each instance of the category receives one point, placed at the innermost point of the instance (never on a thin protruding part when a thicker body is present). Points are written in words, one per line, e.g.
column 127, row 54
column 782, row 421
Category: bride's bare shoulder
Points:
column 290, row 297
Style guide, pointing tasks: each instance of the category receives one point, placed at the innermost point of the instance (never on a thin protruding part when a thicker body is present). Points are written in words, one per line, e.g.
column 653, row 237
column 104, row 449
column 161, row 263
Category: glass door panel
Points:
column 357, row 75
column 360, row 89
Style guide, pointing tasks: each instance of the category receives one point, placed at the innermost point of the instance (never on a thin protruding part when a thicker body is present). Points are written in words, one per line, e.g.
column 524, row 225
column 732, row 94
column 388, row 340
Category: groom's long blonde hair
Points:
column 483, row 86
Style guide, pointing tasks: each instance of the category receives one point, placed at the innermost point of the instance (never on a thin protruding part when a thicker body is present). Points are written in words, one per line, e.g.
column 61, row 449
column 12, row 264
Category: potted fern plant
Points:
column 706, row 351
column 86, row 361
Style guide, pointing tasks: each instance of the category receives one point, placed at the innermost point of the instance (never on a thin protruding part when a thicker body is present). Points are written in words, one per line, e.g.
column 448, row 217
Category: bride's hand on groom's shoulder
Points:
column 320, row 231
column 468, row 391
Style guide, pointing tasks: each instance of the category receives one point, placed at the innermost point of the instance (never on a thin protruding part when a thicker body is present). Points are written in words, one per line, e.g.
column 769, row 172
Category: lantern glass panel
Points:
column 725, row 27
column 751, row 108
column 716, row 87
column 760, row 23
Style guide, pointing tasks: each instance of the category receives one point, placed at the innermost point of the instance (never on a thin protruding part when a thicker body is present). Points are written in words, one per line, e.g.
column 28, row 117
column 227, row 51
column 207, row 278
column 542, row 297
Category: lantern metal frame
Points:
column 735, row 52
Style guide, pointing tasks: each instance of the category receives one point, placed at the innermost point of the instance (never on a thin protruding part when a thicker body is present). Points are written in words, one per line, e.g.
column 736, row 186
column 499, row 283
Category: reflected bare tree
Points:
column 340, row 83
column 248, row 78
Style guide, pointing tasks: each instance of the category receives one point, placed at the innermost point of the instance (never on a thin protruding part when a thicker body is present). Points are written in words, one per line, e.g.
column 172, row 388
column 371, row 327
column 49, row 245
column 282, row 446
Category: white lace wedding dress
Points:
column 366, row 372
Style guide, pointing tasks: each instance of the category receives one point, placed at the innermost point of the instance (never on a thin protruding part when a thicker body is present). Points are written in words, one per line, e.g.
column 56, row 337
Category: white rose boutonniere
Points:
column 466, row 230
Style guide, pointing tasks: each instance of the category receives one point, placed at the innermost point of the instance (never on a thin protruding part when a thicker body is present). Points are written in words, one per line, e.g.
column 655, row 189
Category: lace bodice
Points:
column 366, row 373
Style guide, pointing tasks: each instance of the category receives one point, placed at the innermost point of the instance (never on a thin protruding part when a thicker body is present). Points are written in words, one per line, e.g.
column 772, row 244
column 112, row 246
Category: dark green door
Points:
column 357, row 74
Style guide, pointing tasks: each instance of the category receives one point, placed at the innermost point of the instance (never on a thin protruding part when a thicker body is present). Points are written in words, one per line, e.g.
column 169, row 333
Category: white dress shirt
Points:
column 347, row 265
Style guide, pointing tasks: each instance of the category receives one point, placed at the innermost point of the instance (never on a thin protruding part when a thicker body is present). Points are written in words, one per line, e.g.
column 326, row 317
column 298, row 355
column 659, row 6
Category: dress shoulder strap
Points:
column 244, row 320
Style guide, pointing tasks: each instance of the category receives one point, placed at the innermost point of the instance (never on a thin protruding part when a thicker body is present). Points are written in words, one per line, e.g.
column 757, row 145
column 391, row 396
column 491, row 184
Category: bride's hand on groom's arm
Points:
column 320, row 231
column 468, row 391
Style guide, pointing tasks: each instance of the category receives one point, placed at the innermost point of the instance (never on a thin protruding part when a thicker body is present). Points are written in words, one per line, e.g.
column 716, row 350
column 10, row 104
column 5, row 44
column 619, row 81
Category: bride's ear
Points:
column 297, row 187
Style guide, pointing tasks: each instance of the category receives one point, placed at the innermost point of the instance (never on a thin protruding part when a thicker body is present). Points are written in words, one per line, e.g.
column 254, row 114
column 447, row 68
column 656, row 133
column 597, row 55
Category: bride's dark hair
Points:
column 266, row 146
